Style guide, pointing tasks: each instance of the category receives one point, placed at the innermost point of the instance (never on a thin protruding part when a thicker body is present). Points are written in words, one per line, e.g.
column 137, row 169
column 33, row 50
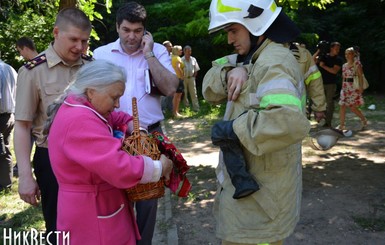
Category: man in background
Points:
column 168, row 46
column 8, row 78
column 191, row 69
column 136, row 51
column 26, row 48
column 330, row 64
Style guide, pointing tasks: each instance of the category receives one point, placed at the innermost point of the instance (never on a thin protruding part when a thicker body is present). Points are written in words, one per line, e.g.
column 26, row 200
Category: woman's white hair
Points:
column 98, row 75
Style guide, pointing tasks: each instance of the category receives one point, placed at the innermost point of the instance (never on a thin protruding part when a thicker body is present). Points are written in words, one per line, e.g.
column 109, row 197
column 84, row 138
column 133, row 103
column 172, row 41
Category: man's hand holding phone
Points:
column 147, row 42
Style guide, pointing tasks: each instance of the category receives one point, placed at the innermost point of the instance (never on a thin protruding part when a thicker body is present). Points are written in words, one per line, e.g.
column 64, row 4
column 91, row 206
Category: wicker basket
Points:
column 137, row 144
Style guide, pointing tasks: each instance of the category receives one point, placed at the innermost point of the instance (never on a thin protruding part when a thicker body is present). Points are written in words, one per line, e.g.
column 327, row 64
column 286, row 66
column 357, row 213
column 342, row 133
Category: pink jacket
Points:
column 92, row 172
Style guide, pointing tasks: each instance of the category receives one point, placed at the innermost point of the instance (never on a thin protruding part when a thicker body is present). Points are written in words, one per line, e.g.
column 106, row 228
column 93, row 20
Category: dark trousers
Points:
column 330, row 92
column 146, row 219
column 48, row 187
column 146, row 215
column 7, row 122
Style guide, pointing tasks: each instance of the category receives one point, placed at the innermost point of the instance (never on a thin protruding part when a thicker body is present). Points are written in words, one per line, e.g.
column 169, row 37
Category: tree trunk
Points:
column 67, row 3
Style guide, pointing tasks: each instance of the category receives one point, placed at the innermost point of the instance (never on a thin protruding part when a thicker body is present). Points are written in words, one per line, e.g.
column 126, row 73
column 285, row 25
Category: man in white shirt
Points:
column 191, row 69
column 136, row 51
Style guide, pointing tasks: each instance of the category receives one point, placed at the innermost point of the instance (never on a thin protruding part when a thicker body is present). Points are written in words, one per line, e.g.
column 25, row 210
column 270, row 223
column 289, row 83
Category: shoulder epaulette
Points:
column 87, row 57
column 35, row 62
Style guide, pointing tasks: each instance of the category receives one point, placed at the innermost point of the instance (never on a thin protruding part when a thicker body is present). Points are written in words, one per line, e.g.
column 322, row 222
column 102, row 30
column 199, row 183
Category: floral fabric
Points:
column 349, row 96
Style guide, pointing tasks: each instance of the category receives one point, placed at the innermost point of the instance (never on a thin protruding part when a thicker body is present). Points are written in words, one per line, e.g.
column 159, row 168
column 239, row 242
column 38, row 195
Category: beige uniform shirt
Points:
column 39, row 85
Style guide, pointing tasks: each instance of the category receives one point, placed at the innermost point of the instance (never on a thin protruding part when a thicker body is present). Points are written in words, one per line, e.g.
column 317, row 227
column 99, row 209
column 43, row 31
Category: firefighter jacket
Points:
column 270, row 123
column 312, row 77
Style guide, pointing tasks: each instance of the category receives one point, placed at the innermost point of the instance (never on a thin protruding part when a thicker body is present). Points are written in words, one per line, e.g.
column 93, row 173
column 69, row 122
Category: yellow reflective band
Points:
column 312, row 77
column 223, row 8
column 222, row 61
column 273, row 7
column 280, row 99
column 263, row 244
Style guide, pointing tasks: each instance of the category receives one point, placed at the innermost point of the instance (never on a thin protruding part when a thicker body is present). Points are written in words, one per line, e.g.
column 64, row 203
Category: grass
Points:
column 18, row 215
column 207, row 111
column 14, row 212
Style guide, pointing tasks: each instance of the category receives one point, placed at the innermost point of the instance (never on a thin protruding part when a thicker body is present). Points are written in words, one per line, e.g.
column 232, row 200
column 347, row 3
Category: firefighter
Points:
column 313, row 81
column 265, row 114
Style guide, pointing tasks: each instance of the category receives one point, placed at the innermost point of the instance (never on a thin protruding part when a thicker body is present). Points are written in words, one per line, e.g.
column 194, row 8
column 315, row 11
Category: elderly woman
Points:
column 90, row 167
column 350, row 96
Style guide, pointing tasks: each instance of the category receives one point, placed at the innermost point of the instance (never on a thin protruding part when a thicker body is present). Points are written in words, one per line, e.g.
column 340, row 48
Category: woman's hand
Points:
column 167, row 165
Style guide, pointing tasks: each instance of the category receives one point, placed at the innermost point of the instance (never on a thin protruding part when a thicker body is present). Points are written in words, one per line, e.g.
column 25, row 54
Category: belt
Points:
column 348, row 80
column 153, row 126
column 86, row 188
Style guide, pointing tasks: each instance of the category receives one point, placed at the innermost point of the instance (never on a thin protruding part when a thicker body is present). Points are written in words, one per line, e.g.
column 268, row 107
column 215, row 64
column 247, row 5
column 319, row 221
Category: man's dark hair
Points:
column 26, row 42
column 132, row 12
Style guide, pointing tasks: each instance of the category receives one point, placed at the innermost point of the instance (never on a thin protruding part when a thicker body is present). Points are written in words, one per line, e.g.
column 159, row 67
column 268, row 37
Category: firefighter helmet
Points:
column 255, row 15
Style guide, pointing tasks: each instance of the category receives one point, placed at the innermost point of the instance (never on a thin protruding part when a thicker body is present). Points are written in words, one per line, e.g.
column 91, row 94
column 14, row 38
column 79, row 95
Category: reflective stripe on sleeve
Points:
column 222, row 61
column 312, row 77
column 280, row 99
column 270, row 94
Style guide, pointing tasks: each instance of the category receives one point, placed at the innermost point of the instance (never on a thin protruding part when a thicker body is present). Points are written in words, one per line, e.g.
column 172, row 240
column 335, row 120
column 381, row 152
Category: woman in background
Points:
column 178, row 66
column 351, row 97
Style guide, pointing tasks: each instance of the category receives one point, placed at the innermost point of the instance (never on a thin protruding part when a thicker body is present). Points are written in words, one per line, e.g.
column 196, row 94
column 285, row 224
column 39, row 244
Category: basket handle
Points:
column 136, row 132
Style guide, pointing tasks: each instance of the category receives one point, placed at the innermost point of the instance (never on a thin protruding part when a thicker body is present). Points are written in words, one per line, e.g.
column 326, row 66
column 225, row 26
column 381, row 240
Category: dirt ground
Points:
column 343, row 188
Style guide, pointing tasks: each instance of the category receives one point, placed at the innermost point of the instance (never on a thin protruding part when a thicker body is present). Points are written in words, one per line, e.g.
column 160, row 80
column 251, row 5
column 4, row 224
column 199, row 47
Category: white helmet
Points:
column 327, row 138
column 255, row 15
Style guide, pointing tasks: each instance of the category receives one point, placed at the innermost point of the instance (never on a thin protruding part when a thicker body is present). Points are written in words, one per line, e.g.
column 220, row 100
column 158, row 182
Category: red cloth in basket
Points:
column 178, row 184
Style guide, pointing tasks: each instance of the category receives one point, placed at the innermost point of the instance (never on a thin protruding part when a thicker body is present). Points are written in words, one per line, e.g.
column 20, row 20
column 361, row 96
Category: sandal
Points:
column 364, row 124
column 341, row 127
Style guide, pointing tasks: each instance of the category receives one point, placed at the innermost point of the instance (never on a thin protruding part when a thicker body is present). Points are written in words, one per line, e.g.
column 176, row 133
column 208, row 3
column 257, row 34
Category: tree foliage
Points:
column 35, row 19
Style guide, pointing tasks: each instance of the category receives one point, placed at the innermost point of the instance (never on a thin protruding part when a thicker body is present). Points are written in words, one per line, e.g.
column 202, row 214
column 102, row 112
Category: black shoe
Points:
column 15, row 171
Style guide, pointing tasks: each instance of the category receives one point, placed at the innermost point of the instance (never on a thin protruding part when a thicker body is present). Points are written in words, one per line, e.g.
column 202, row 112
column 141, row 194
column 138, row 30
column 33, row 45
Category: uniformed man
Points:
column 40, row 82
column 265, row 114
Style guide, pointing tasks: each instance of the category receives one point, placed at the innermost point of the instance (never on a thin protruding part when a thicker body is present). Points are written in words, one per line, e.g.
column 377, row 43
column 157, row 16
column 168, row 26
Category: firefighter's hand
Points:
column 235, row 80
